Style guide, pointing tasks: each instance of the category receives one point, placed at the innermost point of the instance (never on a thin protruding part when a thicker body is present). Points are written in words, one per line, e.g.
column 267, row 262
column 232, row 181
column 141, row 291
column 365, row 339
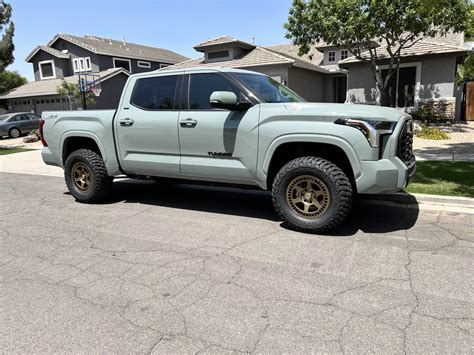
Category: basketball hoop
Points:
column 96, row 90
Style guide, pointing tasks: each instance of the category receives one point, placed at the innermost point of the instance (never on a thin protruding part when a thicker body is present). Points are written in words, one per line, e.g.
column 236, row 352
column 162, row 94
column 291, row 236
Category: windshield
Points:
column 3, row 117
column 268, row 89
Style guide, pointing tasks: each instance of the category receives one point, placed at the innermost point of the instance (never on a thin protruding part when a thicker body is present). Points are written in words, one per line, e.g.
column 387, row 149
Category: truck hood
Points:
column 329, row 111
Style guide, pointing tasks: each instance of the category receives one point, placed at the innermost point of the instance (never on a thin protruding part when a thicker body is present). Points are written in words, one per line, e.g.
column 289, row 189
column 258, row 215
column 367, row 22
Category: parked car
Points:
column 240, row 127
column 16, row 124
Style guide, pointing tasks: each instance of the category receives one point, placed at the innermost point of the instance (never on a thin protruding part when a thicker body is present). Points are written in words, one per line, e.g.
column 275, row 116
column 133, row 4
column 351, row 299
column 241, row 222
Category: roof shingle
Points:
column 113, row 47
column 422, row 47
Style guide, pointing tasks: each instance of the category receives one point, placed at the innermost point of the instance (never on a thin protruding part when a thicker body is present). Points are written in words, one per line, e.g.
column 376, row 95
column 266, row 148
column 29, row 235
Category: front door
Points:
column 216, row 144
column 147, row 126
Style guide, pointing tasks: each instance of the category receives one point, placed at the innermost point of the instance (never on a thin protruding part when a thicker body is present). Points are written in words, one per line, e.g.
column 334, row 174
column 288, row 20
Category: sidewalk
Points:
column 27, row 163
column 442, row 156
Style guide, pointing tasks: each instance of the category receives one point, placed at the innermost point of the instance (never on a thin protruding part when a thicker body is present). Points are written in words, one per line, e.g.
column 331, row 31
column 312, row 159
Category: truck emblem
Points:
column 219, row 155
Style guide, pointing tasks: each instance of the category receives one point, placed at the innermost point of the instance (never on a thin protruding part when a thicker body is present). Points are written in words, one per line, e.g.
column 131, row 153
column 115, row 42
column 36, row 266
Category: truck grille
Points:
column 405, row 144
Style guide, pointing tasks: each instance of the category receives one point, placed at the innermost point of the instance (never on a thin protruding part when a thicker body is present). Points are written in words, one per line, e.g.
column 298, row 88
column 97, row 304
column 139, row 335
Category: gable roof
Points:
column 49, row 87
column 420, row 48
column 223, row 40
column 259, row 56
column 52, row 51
column 111, row 47
column 313, row 56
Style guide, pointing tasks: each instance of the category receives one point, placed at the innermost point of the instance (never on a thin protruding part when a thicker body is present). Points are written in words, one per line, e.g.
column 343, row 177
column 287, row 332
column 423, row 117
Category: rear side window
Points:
column 155, row 93
column 201, row 86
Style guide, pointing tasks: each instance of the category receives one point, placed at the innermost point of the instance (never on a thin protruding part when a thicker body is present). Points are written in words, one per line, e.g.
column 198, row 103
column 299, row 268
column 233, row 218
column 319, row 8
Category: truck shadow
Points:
column 369, row 214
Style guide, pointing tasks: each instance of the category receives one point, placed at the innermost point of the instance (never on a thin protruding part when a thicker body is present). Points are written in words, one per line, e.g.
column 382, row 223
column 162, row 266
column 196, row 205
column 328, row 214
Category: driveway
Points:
column 180, row 268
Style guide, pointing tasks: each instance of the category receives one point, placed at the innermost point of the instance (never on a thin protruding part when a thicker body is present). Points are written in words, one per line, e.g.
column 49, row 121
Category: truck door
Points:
column 216, row 144
column 146, row 126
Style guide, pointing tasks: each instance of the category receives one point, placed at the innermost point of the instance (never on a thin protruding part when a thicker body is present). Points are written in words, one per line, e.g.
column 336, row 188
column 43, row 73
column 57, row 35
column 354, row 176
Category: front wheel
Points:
column 86, row 176
column 312, row 194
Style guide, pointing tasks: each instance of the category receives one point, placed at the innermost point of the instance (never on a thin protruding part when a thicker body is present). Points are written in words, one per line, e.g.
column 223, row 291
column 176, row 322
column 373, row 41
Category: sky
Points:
column 176, row 25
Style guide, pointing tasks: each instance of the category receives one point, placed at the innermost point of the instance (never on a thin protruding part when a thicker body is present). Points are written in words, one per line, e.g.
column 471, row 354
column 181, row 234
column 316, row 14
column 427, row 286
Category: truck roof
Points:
column 201, row 69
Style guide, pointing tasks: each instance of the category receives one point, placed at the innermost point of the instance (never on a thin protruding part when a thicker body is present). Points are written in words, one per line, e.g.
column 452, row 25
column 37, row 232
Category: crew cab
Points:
column 235, row 127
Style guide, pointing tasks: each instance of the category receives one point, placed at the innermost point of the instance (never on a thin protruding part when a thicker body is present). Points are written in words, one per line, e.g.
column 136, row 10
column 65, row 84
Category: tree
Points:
column 7, row 29
column 465, row 71
column 10, row 80
column 357, row 25
column 469, row 34
column 71, row 93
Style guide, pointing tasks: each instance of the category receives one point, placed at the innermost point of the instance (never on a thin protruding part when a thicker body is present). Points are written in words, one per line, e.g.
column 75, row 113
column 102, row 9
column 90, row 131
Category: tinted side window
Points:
column 155, row 93
column 201, row 86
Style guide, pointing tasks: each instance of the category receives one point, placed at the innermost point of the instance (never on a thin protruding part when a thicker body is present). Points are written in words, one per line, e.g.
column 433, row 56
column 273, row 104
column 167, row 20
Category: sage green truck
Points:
column 236, row 127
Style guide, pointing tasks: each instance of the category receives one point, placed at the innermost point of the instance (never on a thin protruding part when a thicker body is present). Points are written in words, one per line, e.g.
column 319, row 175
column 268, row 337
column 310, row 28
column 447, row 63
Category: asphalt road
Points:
column 165, row 269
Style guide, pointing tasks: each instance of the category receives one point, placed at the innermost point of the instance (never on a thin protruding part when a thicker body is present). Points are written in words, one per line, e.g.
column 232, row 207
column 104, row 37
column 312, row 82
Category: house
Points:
column 333, row 74
column 305, row 76
column 65, row 56
column 426, row 75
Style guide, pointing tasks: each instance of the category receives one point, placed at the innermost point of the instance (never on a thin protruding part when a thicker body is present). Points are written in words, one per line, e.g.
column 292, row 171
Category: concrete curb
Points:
column 422, row 202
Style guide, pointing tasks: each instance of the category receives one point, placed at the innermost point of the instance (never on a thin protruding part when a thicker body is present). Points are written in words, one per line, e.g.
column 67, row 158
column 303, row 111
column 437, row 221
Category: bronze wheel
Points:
column 308, row 196
column 81, row 176
column 312, row 194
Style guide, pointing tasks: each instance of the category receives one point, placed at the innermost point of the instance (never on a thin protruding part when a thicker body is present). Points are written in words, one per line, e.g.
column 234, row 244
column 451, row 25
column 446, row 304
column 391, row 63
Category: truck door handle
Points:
column 189, row 122
column 126, row 122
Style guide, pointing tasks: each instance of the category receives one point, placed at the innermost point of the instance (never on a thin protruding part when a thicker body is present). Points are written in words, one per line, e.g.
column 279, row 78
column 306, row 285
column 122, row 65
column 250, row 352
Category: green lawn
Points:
column 443, row 178
column 4, row 151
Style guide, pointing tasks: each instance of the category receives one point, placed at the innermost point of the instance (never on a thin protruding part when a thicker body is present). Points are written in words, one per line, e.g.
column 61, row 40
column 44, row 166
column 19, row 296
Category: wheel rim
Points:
column 81, row 176
column 15, row 133
column 308, row 196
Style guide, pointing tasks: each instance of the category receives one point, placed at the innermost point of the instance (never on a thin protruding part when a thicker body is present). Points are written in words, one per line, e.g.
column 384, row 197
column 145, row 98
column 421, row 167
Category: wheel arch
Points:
column 72, row 141
column 14, row 127
column 284, row 149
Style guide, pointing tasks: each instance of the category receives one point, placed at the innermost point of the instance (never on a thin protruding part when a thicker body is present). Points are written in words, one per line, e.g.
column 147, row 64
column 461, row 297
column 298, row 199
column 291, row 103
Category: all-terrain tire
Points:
column 100, row 183
column 14, row 132
column 338, row 188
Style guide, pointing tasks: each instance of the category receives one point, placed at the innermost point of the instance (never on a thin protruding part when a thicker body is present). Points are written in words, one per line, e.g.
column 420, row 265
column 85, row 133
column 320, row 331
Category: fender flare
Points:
column 82, row 134
column 313, row 138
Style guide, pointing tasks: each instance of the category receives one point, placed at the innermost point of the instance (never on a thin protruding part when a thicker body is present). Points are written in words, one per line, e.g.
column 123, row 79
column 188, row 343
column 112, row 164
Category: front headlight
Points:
column 372, row 130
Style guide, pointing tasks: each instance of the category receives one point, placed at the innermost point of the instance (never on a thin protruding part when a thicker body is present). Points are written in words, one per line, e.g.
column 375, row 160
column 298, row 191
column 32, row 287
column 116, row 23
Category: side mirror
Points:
column 228, row 100
column 223, row 99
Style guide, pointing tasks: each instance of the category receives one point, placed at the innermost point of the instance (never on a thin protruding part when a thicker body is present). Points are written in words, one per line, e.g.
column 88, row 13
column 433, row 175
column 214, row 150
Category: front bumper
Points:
column 384, row 176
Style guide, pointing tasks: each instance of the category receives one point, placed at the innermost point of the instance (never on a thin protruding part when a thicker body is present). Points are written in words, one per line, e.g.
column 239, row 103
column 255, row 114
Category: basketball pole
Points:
column 84, row 104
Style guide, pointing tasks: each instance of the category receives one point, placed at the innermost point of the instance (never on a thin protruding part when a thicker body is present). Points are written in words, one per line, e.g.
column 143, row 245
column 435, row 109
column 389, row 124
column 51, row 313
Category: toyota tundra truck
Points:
column 238, row 127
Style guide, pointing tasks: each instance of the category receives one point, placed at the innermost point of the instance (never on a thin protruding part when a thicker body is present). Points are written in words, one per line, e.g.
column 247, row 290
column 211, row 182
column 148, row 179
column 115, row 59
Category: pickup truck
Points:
column 235, row 127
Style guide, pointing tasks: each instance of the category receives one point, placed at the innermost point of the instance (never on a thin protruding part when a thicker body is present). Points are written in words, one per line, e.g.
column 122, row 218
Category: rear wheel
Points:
column 312, row 194
column 14, row 133
column 86, row 176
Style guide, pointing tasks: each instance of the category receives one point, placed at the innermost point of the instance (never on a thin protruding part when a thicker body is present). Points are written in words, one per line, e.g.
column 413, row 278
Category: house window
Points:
column 402, row 86
column 47, row 70
column 82, row 64
column 344, row 54
column 123, row 63
column 219, row 54
column 332, row 56
column 143, row 64
column 356, row 51
column 164, row 65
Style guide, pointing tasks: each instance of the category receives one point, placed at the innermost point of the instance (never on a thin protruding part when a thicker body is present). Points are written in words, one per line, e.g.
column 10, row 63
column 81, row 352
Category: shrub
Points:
column 35, row 133
column 432, row 133
column 425, row 114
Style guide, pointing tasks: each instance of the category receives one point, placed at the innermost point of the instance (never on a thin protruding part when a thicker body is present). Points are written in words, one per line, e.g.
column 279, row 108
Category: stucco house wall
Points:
column 272, row 70
column 307, row 83
column 436, row 80
column 60, row 65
